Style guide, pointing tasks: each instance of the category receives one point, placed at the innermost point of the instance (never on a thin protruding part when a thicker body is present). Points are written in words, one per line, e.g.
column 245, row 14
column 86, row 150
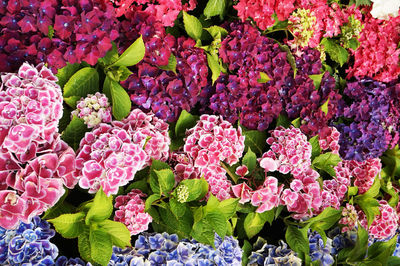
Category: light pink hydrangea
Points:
column 130, row 211
column 94, row 109
column 27, row 190
column 289, row 149
column 110, row 155
column 30, row 109
column 208, row 144
column 384, row 225
column 184, row 168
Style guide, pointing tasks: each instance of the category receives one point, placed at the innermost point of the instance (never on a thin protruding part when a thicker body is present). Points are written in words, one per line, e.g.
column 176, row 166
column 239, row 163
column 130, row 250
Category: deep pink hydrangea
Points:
column 110, row 155
column 384, row 225
column 130, row 211
column 329, row 139
column 27, row 190
column 184, row 167
column 94, row 109
column 83, row 31
column 289, row 149
column 364, row 173
column 378, row 54
column 165, row 11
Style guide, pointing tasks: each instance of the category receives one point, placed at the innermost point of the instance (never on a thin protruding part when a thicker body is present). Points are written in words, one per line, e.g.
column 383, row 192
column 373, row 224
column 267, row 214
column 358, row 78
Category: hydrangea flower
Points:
column 64, row 261
column 130, row 211
column 384, row 225
column 268, row 255
column 349, row 218
column 94, row 109
column 378, row 54
column 31, row 107
column 110, row 155
column 83, row 31
column 319, row 251
column 341, row 240
column 385, row 9
column 28, row 244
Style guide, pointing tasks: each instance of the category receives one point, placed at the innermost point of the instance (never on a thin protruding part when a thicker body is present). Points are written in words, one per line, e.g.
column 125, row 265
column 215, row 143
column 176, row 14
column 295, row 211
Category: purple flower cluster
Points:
column 164, row 92
column 55, row 32
column 29, row 244
column 373, row 109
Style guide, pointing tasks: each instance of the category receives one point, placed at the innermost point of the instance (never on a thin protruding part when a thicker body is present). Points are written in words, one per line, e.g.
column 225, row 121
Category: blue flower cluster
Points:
column 64, row 261
column 372, row 113
column 319, row 250
column 165, row 249
column 341, row 240
column 28, row 244
column 269, row 255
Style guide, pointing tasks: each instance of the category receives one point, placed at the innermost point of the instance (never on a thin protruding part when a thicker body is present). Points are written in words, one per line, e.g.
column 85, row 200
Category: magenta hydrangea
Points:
column 55, row 32
column 110, row 155
column 94, row 109
column 130, row 211
column 364, row 173
column 384, row 225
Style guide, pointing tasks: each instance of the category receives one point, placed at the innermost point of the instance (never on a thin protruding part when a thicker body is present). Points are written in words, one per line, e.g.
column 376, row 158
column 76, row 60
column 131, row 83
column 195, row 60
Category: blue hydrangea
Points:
column 341, row 240
column 268, row 255
column 319, row 251
column 64, row 261
column 29, row 244
column 165, row 249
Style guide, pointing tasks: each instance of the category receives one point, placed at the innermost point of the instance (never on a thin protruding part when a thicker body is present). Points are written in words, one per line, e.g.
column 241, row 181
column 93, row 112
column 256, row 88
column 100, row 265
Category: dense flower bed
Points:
column 169, row 132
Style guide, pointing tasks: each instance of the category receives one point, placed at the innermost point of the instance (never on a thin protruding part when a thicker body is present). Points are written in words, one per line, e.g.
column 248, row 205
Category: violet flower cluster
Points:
column 374, row 113
column 34, row 162
column 93, row 109
column 110, row 155
column 28, row 244
column 55, row 32
column 212, row 142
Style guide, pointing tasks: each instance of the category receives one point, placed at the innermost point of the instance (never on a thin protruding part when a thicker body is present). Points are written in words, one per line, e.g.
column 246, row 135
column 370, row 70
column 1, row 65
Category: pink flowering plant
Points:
column 184, row 132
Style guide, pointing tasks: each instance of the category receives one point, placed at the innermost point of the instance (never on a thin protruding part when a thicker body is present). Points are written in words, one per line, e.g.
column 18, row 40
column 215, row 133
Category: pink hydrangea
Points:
column 27, row 190
column 184, row 168
column 218, row 183
column 268, row 196
column 289, row 149
column 364, row 173
column 384, row 225
column 329, row 139
column 94, row 109
column 110, row 155
column 378, row 54
column 349, row 218
column 30, row 109
column 130, row 211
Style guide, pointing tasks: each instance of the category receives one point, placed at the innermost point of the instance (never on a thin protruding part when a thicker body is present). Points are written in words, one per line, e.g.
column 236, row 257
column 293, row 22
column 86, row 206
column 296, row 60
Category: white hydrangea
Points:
column 384, row 9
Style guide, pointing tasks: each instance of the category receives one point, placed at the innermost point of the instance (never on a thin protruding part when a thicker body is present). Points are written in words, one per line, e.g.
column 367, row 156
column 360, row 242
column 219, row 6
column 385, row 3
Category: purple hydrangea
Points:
column 373, row 113
column 29, row 243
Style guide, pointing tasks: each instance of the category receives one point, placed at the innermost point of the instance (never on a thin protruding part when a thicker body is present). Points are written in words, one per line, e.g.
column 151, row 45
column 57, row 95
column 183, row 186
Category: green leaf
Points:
column 393, row 261
column 217, row 32
column 100, row 246
column 171, row 64
column 373, row 191
column 324, row 107
column 166, row 179
column 316, row 149
column 250, row 160
column 228, row 207
column 69, row 225
column 326, row 162
column 317, row 79
column 156, row 166
column 192, row 26
column 133, row 55
column 101, row 209
column 149, row 201
column 182, row 226
column 370, row 207
column 335, row 51
column 255, row 140
column 120, row 235
column 198, row 188
column 297, row 239
column 74, row 132
column 352, row 191
column 360, row 248
column 247, row 248
column 65, row 73
column 217, row 221
column 214, row 65
column 84, row 245
column 264, row 78
column 71, row 101
column 215, row 8
column 283, row 121
column 203, row 233
column 254, row 222
column 50, row 34
column 61, row 207
column 140, row 184
column 123, row 73
column 85, row 81
column 121, row 102
column 353, row 43
column 296, row 122
column 326, row 219
column 363, row 3
column 177, row 208
column 381, row 251
column 185, row 121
